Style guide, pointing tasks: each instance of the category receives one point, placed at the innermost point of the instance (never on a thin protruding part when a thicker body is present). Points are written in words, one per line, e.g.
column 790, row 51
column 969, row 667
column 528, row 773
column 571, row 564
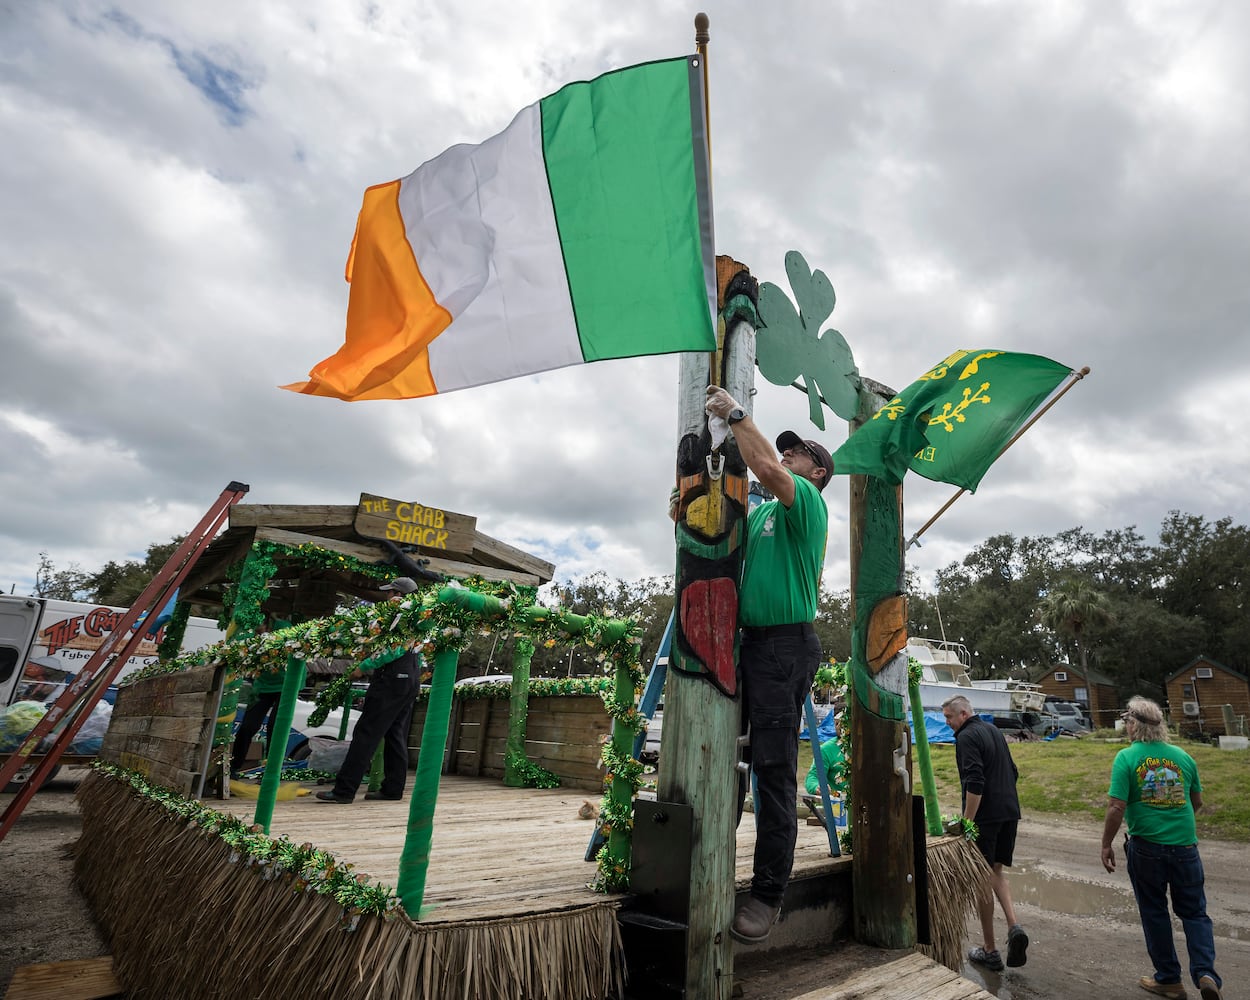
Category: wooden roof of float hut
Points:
column 410, row 537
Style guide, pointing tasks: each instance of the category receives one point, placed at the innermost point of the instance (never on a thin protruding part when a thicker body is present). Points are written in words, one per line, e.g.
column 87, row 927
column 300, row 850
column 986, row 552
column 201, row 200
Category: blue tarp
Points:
column 825, row 729
column 935, row 728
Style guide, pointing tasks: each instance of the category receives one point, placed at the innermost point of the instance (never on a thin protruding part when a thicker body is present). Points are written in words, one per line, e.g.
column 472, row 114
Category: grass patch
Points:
column 1068, row 777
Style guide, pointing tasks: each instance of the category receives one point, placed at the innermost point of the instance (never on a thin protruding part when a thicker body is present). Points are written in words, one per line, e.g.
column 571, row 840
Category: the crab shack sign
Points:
column 409, row 522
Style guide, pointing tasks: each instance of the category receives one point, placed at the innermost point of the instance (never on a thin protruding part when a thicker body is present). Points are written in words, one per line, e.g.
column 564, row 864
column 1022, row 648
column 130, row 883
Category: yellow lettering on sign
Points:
column 928, row 454
column 415, row 534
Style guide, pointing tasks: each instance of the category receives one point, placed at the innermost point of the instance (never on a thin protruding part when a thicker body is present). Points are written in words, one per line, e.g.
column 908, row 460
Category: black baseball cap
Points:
column 818, row 452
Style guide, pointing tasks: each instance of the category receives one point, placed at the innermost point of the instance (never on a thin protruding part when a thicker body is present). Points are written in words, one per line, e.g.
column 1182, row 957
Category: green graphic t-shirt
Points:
column 1156, row 780
column 785, row 553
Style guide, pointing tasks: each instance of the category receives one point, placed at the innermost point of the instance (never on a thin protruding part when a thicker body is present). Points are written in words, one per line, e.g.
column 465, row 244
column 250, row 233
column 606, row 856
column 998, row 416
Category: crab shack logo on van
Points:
column 88, row 630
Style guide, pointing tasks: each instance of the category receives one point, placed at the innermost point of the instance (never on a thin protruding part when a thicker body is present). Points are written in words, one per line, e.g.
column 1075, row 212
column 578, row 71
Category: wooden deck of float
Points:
column 500, row 853
column 497, row 851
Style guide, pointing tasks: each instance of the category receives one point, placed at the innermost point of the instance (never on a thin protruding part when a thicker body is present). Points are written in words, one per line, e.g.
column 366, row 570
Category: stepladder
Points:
column 66, row 715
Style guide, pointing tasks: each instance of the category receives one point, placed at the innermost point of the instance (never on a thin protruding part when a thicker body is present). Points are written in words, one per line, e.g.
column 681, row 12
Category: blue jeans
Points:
column 1154, row 870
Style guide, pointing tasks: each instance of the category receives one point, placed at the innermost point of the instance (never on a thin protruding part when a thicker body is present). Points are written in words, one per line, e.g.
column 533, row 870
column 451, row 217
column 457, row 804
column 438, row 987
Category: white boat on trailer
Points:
column 944, row 673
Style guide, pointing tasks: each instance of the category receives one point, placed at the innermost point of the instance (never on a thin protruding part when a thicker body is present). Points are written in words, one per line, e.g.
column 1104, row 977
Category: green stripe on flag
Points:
column 634, row 220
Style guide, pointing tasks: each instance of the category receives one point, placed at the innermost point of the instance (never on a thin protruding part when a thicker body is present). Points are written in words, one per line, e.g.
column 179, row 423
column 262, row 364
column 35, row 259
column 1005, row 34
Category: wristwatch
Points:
column 736, row 414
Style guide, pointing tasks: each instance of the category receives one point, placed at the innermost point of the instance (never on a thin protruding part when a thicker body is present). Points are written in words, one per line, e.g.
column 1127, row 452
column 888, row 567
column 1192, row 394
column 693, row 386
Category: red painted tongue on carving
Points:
column 709, row 621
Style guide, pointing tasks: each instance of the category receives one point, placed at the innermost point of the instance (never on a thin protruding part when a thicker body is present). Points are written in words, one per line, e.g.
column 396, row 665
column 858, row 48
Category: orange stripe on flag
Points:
column 392, row 316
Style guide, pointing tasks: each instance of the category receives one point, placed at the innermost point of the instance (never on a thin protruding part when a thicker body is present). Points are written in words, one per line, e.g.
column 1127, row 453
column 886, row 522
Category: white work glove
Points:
column 718, row 406
column 719, row 402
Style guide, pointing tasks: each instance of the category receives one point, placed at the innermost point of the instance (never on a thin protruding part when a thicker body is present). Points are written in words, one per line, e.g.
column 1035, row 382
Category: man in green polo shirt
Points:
column 779, row 652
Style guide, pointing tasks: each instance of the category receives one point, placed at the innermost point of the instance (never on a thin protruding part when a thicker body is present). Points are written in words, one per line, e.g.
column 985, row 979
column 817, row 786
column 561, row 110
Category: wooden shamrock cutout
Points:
column 789, row 349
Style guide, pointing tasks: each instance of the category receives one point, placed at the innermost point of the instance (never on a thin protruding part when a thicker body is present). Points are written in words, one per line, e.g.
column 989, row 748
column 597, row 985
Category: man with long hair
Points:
column 1155, row 787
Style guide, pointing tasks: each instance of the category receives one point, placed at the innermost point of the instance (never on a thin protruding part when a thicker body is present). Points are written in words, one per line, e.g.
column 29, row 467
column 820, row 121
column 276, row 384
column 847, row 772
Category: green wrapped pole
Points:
column 175, row 630
column 414, row 860
column 518, row 712
column 932, row 811
column 376, row 769
column 347, row 711
column 278, row 739
column 245, row 618
column 620, row 792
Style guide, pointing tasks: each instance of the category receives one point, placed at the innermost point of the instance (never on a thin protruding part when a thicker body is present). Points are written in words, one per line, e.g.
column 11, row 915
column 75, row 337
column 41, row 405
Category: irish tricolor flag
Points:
column 581, row 232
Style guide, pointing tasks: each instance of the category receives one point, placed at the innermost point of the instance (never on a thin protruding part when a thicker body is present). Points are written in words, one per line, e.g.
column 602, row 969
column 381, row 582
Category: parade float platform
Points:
column 507, row 911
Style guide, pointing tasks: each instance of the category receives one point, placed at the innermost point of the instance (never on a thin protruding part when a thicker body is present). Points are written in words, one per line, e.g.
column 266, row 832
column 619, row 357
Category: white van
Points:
column 45, row 642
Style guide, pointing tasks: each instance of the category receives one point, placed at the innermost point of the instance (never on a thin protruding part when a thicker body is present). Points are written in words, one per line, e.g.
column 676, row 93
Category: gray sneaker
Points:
column 1017, row 946
column 991, row 960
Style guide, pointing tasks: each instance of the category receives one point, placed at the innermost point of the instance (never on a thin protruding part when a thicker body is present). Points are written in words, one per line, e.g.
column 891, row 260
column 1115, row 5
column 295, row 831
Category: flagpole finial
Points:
column 701, row 34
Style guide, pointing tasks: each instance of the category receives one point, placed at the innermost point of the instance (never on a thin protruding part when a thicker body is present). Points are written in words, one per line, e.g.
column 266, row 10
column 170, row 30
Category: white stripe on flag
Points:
column 485, row 212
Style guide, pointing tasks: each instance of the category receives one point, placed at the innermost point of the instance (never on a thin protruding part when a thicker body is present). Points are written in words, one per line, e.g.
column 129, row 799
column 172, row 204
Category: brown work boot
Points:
column 1208, row 989
column 754, row 920
column 1173, row 991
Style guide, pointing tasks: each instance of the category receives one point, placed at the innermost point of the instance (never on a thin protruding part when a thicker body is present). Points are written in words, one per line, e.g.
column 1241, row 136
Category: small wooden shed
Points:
column 1093, row 691
column 1198, row 692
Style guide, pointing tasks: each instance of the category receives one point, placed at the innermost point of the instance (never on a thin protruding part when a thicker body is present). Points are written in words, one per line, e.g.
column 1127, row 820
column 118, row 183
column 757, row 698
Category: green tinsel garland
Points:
column 422, row 622
column 303, row 867
column 532, row 775
column 255, row 592
column 175, row 629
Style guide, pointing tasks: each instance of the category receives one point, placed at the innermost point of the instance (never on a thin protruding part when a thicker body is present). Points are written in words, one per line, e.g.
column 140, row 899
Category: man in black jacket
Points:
column 987, row 775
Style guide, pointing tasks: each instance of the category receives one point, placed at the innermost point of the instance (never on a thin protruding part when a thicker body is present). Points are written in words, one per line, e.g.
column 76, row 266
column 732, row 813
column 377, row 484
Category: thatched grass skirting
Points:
column 184, row 921
column 957, row 872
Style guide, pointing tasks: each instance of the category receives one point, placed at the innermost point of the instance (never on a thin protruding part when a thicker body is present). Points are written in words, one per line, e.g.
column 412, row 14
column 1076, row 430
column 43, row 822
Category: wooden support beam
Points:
column 505, row 556
column 365, row 553
column 450, row 567
column 256, row 515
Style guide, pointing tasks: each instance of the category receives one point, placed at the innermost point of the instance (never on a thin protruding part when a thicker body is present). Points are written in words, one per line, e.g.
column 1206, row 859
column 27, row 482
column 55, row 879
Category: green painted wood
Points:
column 882, row 870
column 697, row 762
column 793, row 350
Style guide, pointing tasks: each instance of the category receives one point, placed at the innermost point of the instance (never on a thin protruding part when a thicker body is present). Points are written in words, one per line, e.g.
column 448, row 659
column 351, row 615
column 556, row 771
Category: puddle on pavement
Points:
column 1056, row 894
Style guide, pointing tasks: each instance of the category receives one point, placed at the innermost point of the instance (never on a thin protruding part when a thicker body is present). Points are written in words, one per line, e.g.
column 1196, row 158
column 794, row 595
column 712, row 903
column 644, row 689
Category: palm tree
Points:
column 1073, row 606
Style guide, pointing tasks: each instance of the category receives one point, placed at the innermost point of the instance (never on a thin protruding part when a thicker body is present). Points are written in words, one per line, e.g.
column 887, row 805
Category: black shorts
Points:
column 997, row 841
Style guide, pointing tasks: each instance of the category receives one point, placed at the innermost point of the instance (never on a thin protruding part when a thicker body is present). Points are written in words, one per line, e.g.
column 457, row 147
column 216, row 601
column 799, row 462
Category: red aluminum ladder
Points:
column 80, row 697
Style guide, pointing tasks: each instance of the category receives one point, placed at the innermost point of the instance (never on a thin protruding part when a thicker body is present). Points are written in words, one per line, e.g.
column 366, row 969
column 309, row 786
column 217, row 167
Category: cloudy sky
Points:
column 180, row 183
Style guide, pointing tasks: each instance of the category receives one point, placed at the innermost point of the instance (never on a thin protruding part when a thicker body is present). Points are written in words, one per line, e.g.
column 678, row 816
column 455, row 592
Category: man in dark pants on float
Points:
column 988, row 775
column 779, row 653
column 386, row 715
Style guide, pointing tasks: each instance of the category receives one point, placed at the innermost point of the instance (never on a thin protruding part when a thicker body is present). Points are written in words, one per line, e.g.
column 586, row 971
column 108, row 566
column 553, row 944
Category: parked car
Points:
column 1070, row 715
column 487, row 679
column 651, row 749
column 1039, row 723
